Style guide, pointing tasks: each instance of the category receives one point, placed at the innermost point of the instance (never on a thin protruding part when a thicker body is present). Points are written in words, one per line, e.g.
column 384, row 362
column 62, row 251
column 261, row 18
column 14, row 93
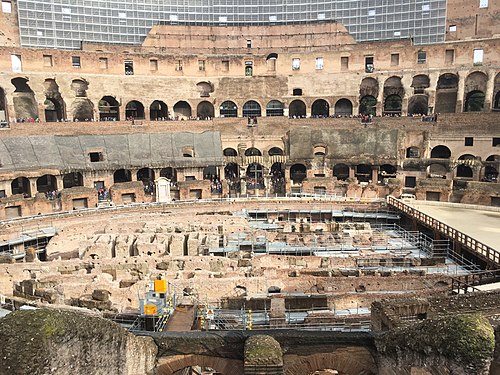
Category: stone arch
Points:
column 25, row 106
column 393, row 96
column 205, row 88
column 21, row 185
column 419, row 83
column 437, row 170
column 54, row 103
column 158, row 110
column 297, row 108
column 464, row 171
column 182, row 110
column 72, row 179
column 418, row 105
column 205, row 110
column 109, row 109
column 80, row 87
column 228, row 109
column 440, row 152
column 275, row 151
column 475, row 87
column 134, row 110
column 252, row 151
column 369, row 87
column 146, row 175
column 173, row 364
column 232, row 171
column 210, row 172
column 298, row 173
column 320, row 108
column 255, row 176
column 363, row 172
column 393, row 105
column 278, row 182
column 341, row 171
column 467, row 157
column 367, row 105
column 169, row 173
column 446, row 93
column 343, row 107
column 251, row 109
column 122, row 175
column 413, row 152
column 350, row 360
column 82, row 109
column 271, row 61
column 274, row 108
column 230, row 152
column 46, row 183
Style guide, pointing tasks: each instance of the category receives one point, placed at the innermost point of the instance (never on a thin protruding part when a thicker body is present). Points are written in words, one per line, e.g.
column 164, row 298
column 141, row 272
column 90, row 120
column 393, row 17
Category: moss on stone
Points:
column 263, row 349
column 467, row 340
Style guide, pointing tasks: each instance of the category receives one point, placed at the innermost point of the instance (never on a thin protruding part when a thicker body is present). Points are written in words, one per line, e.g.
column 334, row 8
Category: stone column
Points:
column 461, row 92
column 380, row 98
column 375, row 170
column 277, row 313
column 490, row 85
column 352, row 171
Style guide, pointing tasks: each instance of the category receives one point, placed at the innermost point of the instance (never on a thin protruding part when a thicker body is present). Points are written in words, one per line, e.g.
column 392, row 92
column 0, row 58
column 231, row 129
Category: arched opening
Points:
column 182, row 110
column 82, row 109
column 252, row 151
column 274, row 108
column 475, row 87
column 54, row 100
column 393, row 105
column 319, row 150
column 230, row 152
column 341, row 171
column 496, row 102
column 298, row 173
column 364, row 172
column 386, row 171
column 109, row 109
column 205, row 88
column 232, row 171
column 25, row 105
column 419, row 83
column 474, row 101
column 158, row 111
column 278, row 178
column 412, row 152
column 146, row 175
column 320, row 108
column 496, row 93
column 490, row 174
column 72, row 179
column 368, row 87
column 275, row 151
column 297, row 109
column 53, row 111
column 228, row 109
column 205, row 110
column 436, row 171
column 255, row 176
column 4, row 118
column 80, row 87
column 440, row 152
column 467, row 157
column 211, row 173
column 418, row 105
column 47, row 183
column 169, row 173
column 251, row 109
column 446, row 93
column 171, row 366
column 122, row 175
column 367, row 106
column 464, row 171
column 393, row 94
column 134, row 110
column 493, row 158
column 21, row 185
column 343, row 107
column 271, row 61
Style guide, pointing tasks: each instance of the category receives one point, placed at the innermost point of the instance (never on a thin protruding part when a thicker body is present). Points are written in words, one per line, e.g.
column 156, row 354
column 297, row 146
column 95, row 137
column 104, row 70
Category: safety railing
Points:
column 480, row 249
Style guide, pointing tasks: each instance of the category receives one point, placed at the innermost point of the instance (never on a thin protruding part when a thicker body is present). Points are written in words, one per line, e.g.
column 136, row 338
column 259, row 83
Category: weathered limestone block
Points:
column 102, row 248
column 193, row 244
column 177, row 245
column 263, row 353
column 124, row 246
column 147, row 246
column 101, row 295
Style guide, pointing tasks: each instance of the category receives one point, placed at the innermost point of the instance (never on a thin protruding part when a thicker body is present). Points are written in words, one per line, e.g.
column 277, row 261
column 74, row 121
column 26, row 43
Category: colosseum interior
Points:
column 249, row 166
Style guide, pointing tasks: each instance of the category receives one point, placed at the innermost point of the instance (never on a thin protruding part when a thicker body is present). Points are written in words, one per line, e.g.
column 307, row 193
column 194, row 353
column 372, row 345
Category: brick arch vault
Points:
column 226, row 366
column 347, row 361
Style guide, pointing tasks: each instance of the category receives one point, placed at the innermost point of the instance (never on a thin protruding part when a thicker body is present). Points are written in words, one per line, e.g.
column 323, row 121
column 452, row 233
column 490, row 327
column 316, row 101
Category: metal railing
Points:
column 478, row 248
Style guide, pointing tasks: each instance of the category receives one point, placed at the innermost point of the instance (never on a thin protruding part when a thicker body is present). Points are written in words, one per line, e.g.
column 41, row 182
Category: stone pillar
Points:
column 488, row 98
column 33, row 186
column 352, row 171
column 243, row 185
column 163, row 190
column 121, row 110
column 277, row 313
column 263, row 356
column 380, row 99
column 375, row 170
column 431, row 91
column 461, row 92
column 59, row 183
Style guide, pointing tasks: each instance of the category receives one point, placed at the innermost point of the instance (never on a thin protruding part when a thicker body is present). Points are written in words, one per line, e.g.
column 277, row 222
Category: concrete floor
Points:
column 484, row 226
